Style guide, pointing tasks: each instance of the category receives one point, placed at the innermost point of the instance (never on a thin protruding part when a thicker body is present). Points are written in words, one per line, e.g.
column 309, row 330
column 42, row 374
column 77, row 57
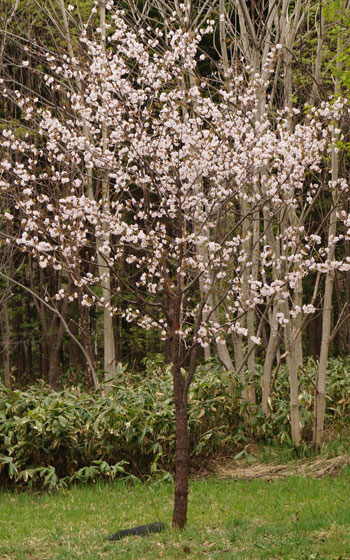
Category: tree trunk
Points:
column 294, row 398
column 251, row 356
column 109, row 363
column 269, row 360
column 221, row 346
column 292, row 363
column 320, row 391
column 73, row 351
column 6, row 334
column 346, row 336
column 224, row 355
column 237, row 341
column 18, row 358
column 180, row 387
column 28, row 335
column 85, row 325
column 314, row 334
column 103, row 267
column 44, row 359
column 315, row 94
column 54, row 347
column 118, row 338
column 298, row 302
column 55, row 342
column 54, row 351
column 182, row 450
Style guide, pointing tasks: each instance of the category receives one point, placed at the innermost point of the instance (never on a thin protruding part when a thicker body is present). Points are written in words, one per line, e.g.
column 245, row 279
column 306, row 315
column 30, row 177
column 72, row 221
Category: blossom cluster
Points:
column 188, row 175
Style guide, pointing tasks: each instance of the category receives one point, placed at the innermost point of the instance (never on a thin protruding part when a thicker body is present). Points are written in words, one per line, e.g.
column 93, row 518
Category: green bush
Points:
column 52, row 439
column 276, row 427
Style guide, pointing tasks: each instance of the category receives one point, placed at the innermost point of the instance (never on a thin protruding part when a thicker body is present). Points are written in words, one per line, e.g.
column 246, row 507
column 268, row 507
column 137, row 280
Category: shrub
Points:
column 52, row 439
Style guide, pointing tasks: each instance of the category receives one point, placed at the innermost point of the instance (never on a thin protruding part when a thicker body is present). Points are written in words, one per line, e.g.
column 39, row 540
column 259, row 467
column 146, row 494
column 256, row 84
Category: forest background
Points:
column 259, row 340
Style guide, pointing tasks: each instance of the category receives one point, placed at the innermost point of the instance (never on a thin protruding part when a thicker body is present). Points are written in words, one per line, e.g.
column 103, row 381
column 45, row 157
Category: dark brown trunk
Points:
column 73, row 349
column 54, row 352
column 29, row 356
column 6, row 335
column 346, row 336
column 44, row 355
column 29, row 340
column 45, row 346
column 55, row 346
column 182, row 450
column 56, row 338
column 314, row 335
column 19, row 353
column 85, row 325
column 117, row 338
column 167, row 350
column 181, row 429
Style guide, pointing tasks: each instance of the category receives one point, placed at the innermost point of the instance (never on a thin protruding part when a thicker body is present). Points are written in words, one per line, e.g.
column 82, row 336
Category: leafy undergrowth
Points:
column 294, row 518
column 53, row 439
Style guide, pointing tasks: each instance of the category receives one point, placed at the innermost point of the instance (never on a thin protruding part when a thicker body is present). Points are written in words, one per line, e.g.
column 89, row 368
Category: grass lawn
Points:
column 293, row 518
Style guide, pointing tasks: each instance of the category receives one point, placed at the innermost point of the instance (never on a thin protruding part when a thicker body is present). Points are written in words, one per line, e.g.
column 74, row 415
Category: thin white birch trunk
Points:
column 291, row 26
column 293, row 377
column 208, row 294
column 318, row 59
column 103, row 250
column 273, row 308
column 320, row 391
column 270, row 356
column 109, row 361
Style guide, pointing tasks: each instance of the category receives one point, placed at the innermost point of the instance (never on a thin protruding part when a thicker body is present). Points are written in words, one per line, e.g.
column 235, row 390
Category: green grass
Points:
column 293, row 518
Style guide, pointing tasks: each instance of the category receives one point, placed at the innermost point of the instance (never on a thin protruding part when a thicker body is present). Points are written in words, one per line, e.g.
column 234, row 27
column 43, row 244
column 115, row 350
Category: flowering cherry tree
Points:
column 179, row 164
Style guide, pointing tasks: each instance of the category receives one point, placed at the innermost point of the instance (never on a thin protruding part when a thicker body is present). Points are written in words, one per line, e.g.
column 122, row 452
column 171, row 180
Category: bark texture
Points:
column 182, row 451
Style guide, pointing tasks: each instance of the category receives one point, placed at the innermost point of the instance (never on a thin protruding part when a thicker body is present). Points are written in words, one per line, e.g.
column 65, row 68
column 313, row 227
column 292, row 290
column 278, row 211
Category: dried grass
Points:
column 315, row 468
